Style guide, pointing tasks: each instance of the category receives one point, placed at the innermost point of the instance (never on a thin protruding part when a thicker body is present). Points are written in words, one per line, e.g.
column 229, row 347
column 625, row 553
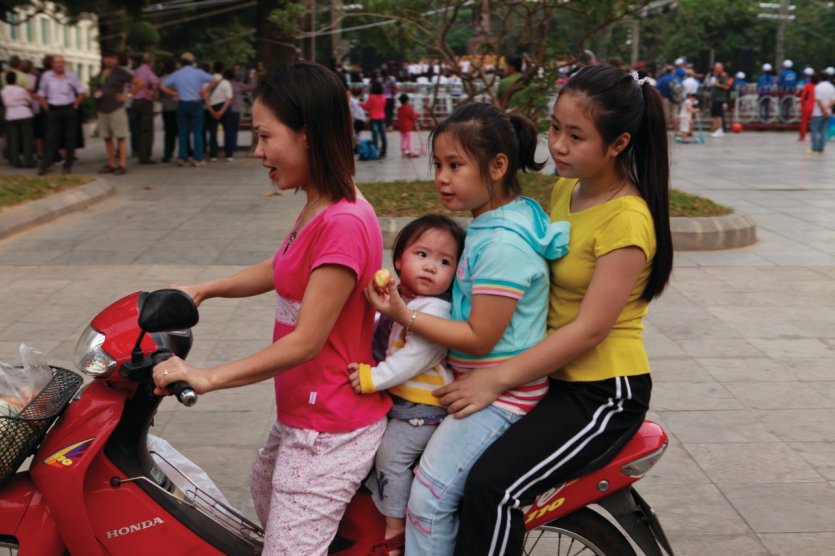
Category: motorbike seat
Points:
column 610, row 453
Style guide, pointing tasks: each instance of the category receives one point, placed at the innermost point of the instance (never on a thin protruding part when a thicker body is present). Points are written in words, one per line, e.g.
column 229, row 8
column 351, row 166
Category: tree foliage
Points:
column 143, row 36
column 731, row 28
column 545, row 31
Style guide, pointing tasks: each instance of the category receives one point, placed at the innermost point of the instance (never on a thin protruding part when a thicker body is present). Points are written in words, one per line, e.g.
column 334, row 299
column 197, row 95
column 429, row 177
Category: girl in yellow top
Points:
column 609, row 142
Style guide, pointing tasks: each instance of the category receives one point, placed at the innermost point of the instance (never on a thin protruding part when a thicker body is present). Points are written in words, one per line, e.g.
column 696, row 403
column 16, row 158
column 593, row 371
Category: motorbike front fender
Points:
column 25, row 517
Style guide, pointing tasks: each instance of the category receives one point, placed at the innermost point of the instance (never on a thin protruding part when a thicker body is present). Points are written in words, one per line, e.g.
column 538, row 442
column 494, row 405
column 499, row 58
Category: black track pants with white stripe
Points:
column 574, row 424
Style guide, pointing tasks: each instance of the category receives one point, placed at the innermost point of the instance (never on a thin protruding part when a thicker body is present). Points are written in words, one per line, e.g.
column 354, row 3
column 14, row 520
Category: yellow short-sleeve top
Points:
column 621, row 222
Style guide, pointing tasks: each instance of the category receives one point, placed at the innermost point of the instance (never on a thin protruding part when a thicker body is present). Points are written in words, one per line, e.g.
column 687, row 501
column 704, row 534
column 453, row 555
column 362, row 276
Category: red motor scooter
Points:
column 94, row 488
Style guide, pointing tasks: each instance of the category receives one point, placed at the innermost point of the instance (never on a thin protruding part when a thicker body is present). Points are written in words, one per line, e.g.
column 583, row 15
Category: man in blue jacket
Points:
column 787, row 80
column 186, row 85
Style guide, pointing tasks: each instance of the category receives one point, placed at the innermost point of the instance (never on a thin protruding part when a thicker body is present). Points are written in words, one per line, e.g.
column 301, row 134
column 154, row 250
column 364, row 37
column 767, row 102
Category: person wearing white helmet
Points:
column 808, row 72
column 765, row 82
column 787, row 80
column 828, row 75
column 681, row 68
column 807, row 101
column 739, row 83
column 765, row 86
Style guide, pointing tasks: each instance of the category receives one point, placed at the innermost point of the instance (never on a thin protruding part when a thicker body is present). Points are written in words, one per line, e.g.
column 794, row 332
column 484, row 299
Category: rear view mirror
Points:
column 166, row 310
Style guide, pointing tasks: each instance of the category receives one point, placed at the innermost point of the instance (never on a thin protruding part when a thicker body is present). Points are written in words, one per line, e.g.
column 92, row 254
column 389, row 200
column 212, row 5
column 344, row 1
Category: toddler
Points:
column 688, row 108
column 406, row 118
column 425, row 256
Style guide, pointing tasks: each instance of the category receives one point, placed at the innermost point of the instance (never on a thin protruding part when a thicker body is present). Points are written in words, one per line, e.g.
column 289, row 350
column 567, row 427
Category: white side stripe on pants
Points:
column 595, row 427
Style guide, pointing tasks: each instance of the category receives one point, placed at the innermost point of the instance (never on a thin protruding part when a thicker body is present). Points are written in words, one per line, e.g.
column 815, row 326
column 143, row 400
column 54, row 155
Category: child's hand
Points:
column 387, row 301
column 354, row 377
column 471, row 392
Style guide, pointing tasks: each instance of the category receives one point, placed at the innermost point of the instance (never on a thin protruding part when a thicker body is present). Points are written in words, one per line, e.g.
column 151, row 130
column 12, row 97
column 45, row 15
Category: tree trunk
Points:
column 483, row 32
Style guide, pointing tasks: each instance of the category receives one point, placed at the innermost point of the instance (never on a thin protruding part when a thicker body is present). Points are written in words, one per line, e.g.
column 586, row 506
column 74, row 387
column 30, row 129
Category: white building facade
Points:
column 31, row 37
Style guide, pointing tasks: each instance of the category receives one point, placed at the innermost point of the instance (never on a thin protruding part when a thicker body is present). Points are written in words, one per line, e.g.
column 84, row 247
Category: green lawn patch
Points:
column 412, row 198
column 15, row 189
column 683, row 204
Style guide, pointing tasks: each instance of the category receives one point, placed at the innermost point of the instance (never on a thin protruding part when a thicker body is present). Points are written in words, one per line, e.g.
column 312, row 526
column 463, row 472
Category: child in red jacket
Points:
column 807, row 105
column 406, row 123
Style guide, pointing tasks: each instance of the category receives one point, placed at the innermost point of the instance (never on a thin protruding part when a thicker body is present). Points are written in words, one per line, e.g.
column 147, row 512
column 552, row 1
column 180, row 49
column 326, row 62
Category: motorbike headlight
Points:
column 89, row 357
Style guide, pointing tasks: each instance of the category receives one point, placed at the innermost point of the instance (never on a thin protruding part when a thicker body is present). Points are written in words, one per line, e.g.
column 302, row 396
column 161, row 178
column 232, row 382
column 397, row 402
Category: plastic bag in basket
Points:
column 184, row 473
column 19, row 384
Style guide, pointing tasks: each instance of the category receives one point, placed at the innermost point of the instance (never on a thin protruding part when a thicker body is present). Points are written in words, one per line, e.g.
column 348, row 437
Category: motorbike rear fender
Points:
column 25, row 516
column 636, row 517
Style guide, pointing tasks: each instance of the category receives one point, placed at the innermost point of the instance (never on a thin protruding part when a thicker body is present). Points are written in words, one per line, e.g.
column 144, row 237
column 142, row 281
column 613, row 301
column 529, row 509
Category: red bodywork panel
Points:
column 118, row 323
column 25, row 516
column 573, row 495
column 66, row 502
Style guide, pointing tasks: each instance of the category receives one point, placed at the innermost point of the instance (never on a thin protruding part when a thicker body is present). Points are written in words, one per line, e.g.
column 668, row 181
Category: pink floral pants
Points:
column 302, row 481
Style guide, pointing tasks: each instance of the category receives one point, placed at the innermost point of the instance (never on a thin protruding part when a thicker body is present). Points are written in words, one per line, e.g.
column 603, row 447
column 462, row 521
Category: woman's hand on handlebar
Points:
column 192, row 290
column 174, row 370
column 471, row 392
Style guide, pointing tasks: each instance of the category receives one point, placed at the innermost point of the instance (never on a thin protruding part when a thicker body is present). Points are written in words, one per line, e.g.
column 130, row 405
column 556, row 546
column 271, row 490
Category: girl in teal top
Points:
column 499, row 305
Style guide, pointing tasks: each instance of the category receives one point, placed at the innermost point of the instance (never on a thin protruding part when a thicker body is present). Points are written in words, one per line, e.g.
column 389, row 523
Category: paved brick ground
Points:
column 742, row 344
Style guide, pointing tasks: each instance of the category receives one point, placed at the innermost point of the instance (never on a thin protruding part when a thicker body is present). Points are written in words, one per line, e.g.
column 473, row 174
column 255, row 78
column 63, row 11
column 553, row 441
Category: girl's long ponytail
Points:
column 621, row 102
column 651, row 165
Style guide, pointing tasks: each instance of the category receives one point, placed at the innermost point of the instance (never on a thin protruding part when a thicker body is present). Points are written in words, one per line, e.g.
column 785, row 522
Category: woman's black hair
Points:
column 11, row 78
column 617, row 103
column 308, row 97
column 417, row 227
column 376, row 88
column 484, row 131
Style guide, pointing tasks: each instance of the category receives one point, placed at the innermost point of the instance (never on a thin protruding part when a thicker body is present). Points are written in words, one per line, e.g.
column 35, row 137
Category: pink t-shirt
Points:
column 317, row 394
column 376, row 107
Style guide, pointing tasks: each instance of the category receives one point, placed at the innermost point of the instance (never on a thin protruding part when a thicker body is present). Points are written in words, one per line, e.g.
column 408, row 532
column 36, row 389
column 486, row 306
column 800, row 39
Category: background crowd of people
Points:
column 45, row 108
column 680, row 87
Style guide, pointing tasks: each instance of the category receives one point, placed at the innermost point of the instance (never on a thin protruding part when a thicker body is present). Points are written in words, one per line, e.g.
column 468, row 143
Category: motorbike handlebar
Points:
column 184, row 393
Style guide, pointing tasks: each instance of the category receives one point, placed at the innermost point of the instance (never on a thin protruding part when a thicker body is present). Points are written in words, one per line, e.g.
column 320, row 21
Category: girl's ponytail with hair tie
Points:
column 527, row 140
column 638, row 79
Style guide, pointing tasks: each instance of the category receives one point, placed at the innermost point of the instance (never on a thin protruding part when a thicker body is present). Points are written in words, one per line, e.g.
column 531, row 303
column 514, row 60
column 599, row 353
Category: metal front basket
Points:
column 21, row 434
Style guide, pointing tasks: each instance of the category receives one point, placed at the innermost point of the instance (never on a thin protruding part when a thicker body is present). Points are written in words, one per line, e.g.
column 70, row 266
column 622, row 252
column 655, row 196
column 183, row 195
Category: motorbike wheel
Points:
column 582, row 532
